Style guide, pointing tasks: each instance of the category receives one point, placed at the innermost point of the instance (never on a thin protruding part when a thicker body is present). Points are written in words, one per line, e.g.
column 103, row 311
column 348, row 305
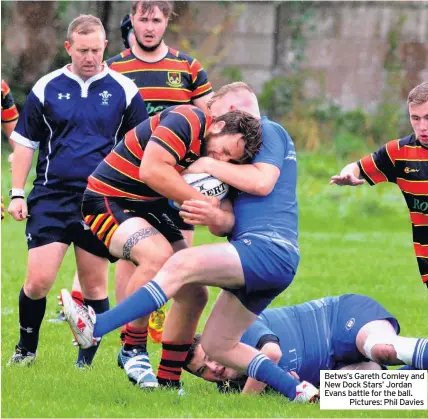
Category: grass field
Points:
column 352, row 240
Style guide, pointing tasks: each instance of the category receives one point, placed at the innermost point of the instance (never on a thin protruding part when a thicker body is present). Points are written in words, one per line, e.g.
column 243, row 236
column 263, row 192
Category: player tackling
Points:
column 257, row 264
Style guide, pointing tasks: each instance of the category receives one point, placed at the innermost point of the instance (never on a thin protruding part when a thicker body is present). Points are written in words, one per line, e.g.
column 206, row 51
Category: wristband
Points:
column 16, row 193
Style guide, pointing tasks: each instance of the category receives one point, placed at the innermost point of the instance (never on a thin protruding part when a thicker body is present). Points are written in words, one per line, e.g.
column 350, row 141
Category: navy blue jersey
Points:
column 273, row 216
column 75, row 124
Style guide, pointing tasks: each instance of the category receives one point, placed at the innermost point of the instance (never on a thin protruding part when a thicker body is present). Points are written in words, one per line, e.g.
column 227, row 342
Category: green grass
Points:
column 352, row 240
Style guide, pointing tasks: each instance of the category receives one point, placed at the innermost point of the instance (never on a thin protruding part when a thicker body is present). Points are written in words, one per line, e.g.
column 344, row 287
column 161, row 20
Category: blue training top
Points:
column 304, row 331
column 273, row 217
column 76, row 124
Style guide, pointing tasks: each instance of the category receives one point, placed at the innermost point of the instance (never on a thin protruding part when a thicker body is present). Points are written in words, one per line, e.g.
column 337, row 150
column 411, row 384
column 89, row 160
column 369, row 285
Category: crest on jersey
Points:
column 104, row 97
column 350, row 324
column 174, row 79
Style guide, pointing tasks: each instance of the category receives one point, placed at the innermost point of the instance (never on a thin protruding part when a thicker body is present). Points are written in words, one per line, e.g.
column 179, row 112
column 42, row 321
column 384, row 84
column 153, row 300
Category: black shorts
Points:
column 55, row 216
column 104, row 215
column 177, row 220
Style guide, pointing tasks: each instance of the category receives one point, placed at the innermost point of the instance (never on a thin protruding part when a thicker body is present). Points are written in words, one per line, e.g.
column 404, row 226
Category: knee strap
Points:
column 404, row 347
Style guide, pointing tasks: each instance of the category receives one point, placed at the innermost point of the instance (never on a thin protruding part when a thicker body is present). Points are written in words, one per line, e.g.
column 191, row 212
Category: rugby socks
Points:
column 77, row 296
column 135, row 336
column 261, row 368
column 122, row 335
column 420, row 356
column 86, row 356
column 31, row 313
column 171, row 364
column 140, row 304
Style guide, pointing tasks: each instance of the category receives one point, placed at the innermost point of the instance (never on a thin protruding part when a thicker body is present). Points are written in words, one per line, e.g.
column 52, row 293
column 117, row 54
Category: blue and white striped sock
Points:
column 143, row 302
column 261, row 368
column 420, row 356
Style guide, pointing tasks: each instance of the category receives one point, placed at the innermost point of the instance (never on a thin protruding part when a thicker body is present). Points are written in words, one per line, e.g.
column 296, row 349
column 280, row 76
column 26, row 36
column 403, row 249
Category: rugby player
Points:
column 125, row 205
column 165, row 77
column 9, row 118
column 345, row 332
column 404, row 162
column 257, row 264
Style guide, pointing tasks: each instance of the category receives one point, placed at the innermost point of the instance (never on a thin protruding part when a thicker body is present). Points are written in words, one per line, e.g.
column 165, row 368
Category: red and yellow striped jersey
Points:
column 178, row 129
column 174, row 80
column 9, row 112
column 405, row 162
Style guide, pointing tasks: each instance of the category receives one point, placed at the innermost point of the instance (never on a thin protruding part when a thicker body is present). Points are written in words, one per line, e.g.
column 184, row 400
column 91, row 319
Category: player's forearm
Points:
column 166, row 181
column 21, row 165
column 351, row 168
column 224, row 223
column 246, row 178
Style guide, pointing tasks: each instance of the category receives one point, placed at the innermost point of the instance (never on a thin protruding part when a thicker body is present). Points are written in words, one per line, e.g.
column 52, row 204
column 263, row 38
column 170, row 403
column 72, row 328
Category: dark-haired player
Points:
column 125, row 204
column 257, row 264
column 165, row 77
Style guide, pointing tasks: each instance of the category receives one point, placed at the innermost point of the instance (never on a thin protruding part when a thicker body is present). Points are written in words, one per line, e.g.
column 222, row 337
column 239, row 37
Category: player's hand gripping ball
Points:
column 206, row 184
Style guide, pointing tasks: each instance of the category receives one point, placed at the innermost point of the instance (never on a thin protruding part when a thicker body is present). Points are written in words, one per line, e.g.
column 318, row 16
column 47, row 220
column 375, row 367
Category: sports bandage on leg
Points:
column 404, row 347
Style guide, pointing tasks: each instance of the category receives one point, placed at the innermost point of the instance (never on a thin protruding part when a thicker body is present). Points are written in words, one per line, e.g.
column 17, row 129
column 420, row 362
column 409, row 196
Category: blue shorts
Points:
column 354, row 312
column 268, row 270
column 55, row 216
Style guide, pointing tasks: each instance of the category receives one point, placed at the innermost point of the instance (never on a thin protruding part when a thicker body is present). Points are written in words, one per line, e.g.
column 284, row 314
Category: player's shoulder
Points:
column 181, row 56
column 269, row 125
column 185, row 110
column 40, row 87
column 409, row 140
column 125, row 82
column 273, row 130
column 123, row 56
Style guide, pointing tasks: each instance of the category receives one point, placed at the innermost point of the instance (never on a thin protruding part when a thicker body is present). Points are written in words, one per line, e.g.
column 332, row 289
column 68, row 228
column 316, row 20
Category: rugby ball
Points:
column 205, row 184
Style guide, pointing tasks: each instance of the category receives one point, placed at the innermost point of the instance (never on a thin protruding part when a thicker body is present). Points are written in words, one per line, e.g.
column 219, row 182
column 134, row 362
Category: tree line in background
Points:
column 35, row 31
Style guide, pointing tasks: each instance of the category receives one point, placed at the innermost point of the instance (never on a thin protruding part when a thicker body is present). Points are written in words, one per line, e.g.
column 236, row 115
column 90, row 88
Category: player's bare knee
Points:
column 37, row 288
column 183, row 267
column 384, row 354
column 194, row 296
column 154, row 261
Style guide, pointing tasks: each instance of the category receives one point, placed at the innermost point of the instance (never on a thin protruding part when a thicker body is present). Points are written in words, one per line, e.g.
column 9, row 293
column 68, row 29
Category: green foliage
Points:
column 318, row 122
column 231, row 74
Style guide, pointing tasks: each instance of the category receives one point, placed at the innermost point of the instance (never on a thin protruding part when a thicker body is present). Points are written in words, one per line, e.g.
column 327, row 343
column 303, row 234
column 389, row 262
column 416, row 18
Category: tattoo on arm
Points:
column 135, row 238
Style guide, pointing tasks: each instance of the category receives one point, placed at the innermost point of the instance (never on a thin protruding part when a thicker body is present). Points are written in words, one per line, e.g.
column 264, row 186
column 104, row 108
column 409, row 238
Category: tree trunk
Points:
column 30, row 40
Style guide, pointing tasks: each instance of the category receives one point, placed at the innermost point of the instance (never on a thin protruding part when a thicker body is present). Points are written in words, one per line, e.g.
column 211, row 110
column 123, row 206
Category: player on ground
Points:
column 403, row 162
column 257, row 264
column 124, row 203
column 74, row 115
column 331, row 333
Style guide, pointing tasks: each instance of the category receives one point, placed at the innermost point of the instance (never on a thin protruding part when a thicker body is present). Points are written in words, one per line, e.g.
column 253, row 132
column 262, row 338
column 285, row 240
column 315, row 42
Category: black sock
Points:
column 31, row 313
column 100, row 306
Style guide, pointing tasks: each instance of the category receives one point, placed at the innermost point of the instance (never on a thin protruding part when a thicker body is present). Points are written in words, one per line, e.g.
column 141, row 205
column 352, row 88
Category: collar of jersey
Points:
column 150, row 62
column 84, row 85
